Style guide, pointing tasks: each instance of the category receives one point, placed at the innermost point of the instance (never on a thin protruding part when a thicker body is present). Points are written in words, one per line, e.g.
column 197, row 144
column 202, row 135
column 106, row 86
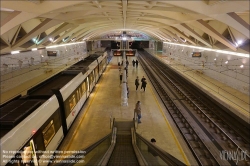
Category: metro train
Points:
column 44, row 129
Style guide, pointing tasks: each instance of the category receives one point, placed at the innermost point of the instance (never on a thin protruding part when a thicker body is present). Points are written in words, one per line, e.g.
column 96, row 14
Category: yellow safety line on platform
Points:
column 172, row 132
column 74, row 134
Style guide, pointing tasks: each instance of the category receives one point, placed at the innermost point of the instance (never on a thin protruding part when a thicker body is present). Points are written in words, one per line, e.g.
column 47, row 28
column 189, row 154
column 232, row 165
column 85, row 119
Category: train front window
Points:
column 48, row 133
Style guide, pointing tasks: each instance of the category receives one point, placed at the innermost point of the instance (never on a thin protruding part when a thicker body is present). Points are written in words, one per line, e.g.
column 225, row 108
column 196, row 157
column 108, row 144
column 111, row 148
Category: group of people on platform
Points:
column 143, row 82
column 135, row 63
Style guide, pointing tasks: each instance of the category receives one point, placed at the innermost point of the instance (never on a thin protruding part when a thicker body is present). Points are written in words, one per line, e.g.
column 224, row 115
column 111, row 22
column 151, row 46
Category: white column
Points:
column 124, row 97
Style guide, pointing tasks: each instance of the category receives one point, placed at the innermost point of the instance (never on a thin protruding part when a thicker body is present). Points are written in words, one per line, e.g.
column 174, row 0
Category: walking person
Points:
column 133, row 62
column 136, row 63
column 138, row 111
column 137, row 83
column 142, row 80
column 127, row 63
column 120, row 77
column 144, row 84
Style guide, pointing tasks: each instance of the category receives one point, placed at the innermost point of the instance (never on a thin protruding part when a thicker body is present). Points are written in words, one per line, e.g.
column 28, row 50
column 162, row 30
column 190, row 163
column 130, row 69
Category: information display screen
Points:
column 52, row 53
column 196, row 54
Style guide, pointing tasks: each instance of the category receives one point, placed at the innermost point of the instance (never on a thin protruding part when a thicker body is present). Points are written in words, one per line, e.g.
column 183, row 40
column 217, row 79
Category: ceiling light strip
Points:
column 54, row 46
column 210, row 49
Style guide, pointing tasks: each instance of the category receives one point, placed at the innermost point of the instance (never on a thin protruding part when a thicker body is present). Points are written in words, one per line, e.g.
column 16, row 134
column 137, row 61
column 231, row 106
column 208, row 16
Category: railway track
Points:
column 214, row 137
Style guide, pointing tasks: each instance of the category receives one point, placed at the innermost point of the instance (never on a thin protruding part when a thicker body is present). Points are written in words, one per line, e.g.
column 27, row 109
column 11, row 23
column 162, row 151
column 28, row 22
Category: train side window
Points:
column 72, row 102
column 83, row 87
column 79, row 89
column 48, row 133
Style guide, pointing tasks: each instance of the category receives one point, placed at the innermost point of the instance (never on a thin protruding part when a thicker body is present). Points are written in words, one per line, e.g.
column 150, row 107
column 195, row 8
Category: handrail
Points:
column 107, row 155
column 135, row 120
column 166, row 157
column 139, row 156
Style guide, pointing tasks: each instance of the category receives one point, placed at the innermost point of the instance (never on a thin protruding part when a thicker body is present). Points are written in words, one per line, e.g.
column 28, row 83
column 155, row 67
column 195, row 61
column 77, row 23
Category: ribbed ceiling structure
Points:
column 222, row 24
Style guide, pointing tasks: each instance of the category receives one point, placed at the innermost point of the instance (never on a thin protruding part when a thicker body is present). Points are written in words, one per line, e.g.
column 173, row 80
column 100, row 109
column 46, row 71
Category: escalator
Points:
column 123, row 147
column 123, row 153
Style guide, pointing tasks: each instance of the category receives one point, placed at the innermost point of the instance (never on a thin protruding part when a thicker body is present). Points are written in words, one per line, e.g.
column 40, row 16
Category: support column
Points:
column 124, row 95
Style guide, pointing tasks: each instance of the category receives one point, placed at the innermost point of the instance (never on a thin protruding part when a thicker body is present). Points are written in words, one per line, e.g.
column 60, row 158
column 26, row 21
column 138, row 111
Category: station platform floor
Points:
column 236, row 101
column 93, row 122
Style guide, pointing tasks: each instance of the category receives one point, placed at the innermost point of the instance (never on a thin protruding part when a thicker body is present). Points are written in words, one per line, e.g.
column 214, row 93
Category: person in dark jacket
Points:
column 142, row 80
column 144, row 84
column 136, row 63
column 137, row 83
column 120, row 77
column 133, row 62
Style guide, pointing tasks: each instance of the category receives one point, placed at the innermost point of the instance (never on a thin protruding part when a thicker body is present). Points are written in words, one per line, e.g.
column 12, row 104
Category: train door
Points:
column 91, row 81
column 88, row 91
column 96, row 73
column 101, row 68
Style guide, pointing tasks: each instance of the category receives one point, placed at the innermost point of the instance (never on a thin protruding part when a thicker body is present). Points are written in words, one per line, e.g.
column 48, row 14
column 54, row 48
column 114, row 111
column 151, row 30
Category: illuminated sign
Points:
column 196, row 54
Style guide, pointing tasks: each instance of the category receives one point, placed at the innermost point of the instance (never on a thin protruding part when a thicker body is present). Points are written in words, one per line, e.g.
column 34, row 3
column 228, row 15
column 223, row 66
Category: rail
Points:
column 179, row 116
column 219, row 89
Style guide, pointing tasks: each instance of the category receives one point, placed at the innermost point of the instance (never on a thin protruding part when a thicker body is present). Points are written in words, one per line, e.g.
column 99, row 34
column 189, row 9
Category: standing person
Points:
column 127, row 63
column 136, row 62
column 144, row 84
column 126, row 68
column 142, row 80
column 120, row 77
column 133, row 62
column 138, row 110
column 137, row 83
column 27, row 156
column 153, row 141
column 127, row 91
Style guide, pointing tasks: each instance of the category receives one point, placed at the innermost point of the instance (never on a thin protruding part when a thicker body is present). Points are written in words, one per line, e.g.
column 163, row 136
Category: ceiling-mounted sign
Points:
column 196, row 54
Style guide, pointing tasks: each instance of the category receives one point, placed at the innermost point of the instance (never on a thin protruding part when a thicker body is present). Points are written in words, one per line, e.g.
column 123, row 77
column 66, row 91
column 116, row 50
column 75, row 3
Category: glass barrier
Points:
column 92, row 157
column 149, row 154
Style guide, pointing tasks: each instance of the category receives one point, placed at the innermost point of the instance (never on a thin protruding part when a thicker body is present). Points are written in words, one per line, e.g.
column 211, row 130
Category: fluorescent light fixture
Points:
column 15, row 52
column 215, row 59
column 210, row 49
column 54, row 46
column 226, row 62
column 239, row 42
column 241, row 66
column 34, row 49
column 124, row 38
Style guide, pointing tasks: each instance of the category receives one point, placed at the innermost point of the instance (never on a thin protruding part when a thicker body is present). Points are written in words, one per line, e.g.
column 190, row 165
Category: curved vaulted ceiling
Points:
column 210, row 23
